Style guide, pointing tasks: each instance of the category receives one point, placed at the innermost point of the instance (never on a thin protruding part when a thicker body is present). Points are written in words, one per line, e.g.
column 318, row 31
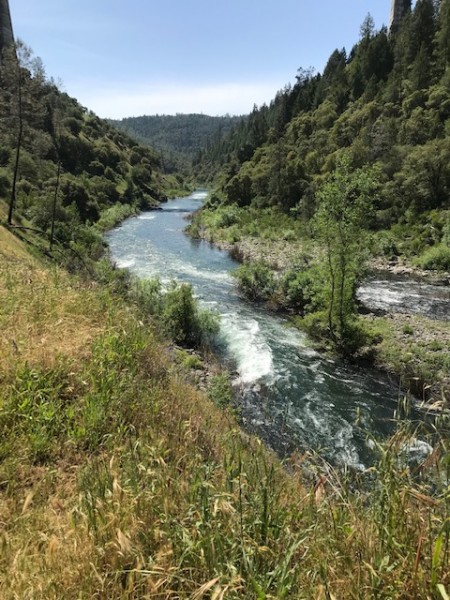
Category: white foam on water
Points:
column 293, row 338
column 380, row 297
column 125, row 263
column 194, row 271
column 417, row 450
column 146, row 217
column 335, row 434
column 198, row 195
column 248, row 348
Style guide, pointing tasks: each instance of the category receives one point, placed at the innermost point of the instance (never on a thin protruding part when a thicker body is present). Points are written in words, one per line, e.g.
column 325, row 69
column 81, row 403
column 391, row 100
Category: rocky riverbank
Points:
column 400, row 266
column 415, row 349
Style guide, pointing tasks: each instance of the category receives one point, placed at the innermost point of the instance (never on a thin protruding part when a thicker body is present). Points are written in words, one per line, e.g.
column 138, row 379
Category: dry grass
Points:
column 42, row 552
column 43, row 314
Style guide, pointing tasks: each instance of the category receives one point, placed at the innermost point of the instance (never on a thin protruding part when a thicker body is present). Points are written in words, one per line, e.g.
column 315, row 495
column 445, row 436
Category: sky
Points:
column 135, row 57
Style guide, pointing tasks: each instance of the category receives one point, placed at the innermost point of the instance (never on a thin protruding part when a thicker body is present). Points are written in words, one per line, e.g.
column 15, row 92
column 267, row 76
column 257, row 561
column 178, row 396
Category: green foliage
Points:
column 114, row 215
column 386, row 103
column 184, row 322
column 220, row 390
column 35, row 411
column 343, row 214
column 177, row 311
column 147, row 294
column 181, row 139
column 436, row 258
column 188, row 360
column 301, row 288
column 43, row 129
column 256, row 280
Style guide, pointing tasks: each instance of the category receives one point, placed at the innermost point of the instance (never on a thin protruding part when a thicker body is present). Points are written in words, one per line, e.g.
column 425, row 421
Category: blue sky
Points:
column 134, row 57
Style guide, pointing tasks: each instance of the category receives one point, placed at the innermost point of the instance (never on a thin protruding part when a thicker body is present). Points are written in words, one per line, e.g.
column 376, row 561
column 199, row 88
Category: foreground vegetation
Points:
column 120, row 480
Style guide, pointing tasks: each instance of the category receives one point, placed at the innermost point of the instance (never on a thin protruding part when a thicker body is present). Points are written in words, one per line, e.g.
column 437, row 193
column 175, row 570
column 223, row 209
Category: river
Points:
column 289, row 395
column 404, row 294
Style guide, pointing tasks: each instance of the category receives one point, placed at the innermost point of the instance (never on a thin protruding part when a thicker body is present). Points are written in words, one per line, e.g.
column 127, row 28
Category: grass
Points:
column 120, row 480
column 114, row 215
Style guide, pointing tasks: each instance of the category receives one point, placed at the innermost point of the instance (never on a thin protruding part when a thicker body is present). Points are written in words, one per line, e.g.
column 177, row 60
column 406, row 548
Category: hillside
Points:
column 63, row 169
column 385, row 104
column 346, row 171
column 180, row 138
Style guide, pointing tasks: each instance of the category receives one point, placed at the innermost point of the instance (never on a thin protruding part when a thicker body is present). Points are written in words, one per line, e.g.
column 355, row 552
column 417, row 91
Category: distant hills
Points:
column 180, row 138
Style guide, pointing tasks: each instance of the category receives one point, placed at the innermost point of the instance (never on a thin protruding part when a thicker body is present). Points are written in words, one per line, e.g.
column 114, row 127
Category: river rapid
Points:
column 289, row 395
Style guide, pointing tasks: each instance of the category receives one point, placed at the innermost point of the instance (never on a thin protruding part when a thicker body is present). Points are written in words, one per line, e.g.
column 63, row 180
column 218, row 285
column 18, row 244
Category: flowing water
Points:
column 291, row 396
column 404, row 294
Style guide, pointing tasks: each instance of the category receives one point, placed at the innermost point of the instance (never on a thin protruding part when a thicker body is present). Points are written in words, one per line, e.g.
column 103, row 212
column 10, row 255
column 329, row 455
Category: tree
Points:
column 54, row 123
column 22, row 79
column 339, row 223
column 426, row 175
column 443, row 35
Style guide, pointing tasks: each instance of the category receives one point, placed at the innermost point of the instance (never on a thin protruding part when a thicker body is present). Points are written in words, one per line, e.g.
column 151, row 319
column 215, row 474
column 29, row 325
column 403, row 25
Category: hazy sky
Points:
column 134, row 57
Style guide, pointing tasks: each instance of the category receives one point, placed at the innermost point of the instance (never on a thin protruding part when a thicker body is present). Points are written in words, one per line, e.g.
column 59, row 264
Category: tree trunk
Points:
column 55, row 199
column 332, row 290
column 12, row 200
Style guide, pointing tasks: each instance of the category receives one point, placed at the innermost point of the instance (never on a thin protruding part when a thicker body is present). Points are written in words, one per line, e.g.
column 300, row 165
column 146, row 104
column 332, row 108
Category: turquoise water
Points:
column 288, row 394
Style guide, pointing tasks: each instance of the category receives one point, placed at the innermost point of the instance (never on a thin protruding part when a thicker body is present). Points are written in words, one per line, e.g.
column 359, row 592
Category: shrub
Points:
column 256, row 281
column 224, row 217
column 184, row 321
column 220, row 391
column 300, row 288
column 435, row 258
column 112, row 216
column 5, row 184
column 147, row 294
column 5, row 154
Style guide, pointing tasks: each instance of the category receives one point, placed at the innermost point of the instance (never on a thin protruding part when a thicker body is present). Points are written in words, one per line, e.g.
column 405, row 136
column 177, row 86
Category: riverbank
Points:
column 412, row 348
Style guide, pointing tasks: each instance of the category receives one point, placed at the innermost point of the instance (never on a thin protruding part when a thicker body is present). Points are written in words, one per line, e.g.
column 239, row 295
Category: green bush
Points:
column 220, row 390
column 183, row 321
column 147, row 294
column 299, row 288
column 5, row 184
column 114, row 215
column 256, row 281
column 435, row 258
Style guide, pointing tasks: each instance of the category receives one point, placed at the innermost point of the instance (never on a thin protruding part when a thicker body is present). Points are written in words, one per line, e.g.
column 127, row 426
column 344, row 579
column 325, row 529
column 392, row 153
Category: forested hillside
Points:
column 180, row 138
column 61, row 167
column 384, row 104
